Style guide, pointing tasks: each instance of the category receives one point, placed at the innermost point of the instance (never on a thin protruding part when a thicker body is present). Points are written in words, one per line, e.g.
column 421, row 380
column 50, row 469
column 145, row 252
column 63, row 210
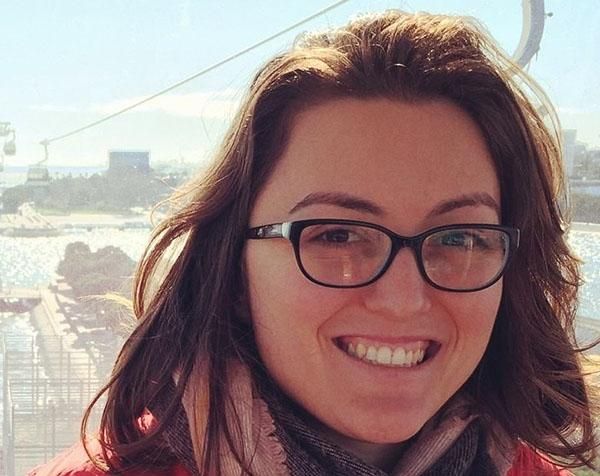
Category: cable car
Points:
column 38, row 175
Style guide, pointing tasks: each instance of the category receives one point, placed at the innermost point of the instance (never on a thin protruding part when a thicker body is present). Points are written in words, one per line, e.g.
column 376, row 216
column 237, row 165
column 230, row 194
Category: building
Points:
column 128, row 161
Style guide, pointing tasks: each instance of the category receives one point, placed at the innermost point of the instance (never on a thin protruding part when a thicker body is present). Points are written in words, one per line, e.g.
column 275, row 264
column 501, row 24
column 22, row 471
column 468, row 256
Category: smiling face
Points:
column 408, row 167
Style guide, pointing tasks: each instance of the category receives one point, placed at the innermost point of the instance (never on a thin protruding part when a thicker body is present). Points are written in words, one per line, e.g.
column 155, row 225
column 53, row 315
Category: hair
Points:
column 189, row 295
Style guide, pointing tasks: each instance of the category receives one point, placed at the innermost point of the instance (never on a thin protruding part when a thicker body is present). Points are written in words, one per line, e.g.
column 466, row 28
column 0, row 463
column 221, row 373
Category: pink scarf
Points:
column 256, row 440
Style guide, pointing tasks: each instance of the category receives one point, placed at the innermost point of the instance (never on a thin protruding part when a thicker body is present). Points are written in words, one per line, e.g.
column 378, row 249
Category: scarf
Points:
column 277, row 439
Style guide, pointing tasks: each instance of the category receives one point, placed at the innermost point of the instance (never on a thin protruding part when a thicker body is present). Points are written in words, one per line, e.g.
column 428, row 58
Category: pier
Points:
column 48, row 379
column 27, row 222
column 56, row 225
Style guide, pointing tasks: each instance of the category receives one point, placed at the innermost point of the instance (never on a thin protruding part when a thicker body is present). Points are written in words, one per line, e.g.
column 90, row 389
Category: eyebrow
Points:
column 351, row 202
column 339, row 199
column 468, row 200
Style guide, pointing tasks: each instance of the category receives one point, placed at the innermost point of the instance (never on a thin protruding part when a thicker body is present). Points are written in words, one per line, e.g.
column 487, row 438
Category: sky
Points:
column 66, row 63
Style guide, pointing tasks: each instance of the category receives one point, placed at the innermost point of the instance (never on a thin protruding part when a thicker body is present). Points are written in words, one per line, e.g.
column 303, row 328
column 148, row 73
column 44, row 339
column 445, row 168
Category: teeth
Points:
column 398, row 357
column 384, row 355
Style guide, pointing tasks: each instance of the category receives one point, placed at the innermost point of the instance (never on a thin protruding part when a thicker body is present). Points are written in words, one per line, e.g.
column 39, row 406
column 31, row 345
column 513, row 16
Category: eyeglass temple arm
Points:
column 275, row 230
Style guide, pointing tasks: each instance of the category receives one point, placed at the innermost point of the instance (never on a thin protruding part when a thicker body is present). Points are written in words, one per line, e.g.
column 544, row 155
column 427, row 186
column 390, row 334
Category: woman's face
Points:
column 409, row 167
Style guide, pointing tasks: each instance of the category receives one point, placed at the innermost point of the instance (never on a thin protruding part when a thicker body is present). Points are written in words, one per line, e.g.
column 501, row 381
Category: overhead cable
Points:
column 195, row 75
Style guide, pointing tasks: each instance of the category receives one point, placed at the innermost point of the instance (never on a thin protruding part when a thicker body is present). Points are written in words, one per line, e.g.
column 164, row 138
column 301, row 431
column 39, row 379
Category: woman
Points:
column 372, row 279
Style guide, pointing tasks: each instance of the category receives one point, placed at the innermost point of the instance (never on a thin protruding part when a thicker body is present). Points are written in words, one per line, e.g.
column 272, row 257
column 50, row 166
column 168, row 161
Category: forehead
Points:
column 405, row 157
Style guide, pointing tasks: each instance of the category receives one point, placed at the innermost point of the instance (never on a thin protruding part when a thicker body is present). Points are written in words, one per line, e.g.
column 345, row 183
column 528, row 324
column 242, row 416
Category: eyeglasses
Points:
column 351, row 254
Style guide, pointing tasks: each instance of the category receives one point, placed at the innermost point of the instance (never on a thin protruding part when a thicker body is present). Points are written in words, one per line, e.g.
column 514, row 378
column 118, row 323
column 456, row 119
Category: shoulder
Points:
column 529, row 462
column 75, row 462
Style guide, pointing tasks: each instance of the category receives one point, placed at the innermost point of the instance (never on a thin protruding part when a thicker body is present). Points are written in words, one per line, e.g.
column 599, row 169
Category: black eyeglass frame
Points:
column 293, row 229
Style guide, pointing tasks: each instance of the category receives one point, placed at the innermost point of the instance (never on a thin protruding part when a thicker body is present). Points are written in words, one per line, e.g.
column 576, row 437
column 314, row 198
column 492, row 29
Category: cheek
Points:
column 288, row 311
column 289, row 315
column 474, row 320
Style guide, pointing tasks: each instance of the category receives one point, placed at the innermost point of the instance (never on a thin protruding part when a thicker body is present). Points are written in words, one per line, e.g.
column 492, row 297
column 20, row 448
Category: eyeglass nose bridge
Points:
column 400, row 242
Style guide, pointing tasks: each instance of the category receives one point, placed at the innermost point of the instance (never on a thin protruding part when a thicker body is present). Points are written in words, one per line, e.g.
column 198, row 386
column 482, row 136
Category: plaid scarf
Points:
column 449, row 445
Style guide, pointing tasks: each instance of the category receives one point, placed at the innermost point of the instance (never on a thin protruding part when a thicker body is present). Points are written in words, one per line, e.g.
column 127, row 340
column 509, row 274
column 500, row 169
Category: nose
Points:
column 401, row 291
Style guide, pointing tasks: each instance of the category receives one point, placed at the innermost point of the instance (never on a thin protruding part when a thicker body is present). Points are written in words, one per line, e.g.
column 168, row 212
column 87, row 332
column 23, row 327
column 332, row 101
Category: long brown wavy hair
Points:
column 189, row 289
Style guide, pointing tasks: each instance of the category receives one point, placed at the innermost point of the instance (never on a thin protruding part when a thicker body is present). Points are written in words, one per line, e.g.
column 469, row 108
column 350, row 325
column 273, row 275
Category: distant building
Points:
column 128, row 161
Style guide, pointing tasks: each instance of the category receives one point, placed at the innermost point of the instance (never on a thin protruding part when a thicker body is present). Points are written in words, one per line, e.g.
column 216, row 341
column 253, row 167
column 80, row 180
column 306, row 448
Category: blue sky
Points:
column 68, row 62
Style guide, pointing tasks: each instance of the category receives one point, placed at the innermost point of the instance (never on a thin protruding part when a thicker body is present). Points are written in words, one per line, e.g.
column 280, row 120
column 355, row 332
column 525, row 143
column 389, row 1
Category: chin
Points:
column 383, row 429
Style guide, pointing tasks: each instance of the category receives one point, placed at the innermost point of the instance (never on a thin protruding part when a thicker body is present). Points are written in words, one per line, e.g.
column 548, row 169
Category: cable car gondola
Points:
column 38, row 175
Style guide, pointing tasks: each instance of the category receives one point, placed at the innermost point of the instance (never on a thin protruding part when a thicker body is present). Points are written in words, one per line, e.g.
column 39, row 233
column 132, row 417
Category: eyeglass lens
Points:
column 351, row 255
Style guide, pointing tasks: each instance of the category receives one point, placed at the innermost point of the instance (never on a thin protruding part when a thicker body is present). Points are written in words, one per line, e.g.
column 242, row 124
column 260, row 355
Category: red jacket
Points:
column 75, row 462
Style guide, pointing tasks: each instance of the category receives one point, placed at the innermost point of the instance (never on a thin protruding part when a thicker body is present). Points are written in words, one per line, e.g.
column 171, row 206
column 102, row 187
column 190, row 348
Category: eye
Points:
column 471, row 239
column 458, row 238
column 336, row 235
column 339, row 235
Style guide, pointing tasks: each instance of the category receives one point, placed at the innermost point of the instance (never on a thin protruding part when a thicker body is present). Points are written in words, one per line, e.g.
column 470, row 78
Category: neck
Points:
column 381, row 455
